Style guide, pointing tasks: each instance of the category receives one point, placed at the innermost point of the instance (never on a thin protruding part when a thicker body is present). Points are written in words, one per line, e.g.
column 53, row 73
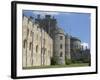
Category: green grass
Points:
column 58, row 66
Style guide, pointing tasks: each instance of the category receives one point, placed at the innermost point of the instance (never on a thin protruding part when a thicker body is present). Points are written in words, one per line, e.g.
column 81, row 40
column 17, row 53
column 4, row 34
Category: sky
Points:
column 76, row 24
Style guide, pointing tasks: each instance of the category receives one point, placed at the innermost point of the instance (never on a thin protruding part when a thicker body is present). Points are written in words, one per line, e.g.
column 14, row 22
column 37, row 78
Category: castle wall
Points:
column 37, row 45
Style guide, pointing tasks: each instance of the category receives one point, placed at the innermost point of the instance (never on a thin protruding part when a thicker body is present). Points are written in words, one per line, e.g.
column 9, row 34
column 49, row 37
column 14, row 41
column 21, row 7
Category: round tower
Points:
column 75, row 48
column 59, row 46
column 75, row 43
column 67, row 47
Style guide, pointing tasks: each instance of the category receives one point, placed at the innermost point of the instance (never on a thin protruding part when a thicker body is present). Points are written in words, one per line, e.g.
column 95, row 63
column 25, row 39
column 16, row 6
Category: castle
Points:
column 43, row 41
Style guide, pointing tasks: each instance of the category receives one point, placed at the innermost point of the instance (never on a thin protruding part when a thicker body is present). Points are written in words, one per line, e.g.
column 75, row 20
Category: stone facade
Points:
column 37, row 44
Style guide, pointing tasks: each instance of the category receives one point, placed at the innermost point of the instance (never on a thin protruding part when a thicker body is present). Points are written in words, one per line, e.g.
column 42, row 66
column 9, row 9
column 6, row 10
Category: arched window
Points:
column 24, row 43
column 61, row 54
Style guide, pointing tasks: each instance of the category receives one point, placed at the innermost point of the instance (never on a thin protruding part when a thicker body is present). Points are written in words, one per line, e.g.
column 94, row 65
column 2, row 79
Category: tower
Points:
column 67, row 47
column 59, row 46
column 75, row 48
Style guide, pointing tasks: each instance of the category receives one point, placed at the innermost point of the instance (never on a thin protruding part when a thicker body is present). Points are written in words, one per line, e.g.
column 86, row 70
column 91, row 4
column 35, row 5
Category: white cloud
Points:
column 85, row 45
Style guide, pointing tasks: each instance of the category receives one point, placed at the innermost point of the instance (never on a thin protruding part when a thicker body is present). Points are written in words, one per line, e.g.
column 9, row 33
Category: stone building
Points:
column 48, row 23
column 43, row 40
column 59, row 46
column 75, row 47
column 75, row 43
column 37, row 44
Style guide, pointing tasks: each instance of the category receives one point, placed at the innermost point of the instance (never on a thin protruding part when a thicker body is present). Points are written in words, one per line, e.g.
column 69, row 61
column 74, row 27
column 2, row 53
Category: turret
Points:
column 59, row 46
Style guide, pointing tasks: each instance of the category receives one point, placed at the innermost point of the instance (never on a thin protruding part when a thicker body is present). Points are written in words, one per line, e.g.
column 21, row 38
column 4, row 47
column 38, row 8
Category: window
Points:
column 30, row 46
column 61, row 54
column 60, row 46
column 36, row 48
column 24, row 43
column 61, row 37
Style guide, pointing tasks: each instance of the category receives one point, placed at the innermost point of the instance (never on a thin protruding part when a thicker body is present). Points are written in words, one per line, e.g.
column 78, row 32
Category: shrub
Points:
column 85, row 60
column 53, row 61
column 68, row 61
column 77, row 61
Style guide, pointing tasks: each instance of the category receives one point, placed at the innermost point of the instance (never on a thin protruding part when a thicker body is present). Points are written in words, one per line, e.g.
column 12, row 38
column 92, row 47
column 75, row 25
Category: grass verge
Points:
column 58, row 66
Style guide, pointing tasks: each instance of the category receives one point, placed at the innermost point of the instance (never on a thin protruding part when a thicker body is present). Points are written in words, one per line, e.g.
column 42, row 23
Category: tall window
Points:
column 60, row 46
column 36, row 48
column 61, row 37
column 24, row 43
column 30, row 46
column 61, row 54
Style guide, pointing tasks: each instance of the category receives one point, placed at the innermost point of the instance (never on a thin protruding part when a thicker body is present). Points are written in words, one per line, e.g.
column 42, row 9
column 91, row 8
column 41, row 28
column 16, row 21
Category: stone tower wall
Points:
column 67, row 47
column 59, row 47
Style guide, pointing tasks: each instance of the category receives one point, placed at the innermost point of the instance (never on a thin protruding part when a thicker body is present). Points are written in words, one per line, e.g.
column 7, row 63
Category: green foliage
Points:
column 73, row 61
column 85, row 60
column 68, row 61
column 82, row 60
column 76, row 61
column 53, row 61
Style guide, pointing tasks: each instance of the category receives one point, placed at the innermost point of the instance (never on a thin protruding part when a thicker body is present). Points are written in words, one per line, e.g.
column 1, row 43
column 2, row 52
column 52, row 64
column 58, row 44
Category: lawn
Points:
column 59, row 66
